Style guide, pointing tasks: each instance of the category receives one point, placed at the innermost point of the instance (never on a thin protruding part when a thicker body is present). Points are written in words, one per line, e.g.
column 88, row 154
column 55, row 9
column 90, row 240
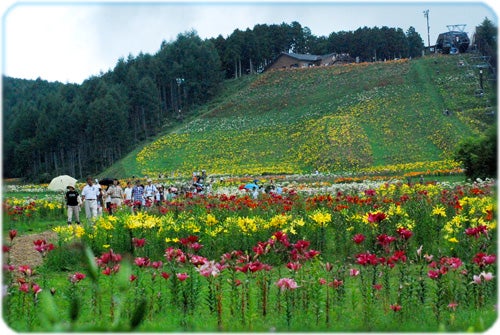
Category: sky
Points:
column 69, row 41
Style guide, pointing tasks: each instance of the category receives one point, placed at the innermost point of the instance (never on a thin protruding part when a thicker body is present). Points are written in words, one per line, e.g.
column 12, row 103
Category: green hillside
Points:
column 332, row 119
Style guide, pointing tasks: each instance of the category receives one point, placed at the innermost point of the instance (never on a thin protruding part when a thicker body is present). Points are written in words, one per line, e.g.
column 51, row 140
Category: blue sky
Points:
column 71, row 41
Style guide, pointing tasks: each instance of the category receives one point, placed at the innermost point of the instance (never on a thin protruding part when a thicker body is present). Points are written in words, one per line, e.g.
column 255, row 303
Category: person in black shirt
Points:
column 73, row 203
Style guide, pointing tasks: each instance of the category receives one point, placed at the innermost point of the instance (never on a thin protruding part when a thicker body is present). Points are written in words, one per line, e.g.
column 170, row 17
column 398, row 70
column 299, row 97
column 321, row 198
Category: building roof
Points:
column 319, row 60
column 304, row 57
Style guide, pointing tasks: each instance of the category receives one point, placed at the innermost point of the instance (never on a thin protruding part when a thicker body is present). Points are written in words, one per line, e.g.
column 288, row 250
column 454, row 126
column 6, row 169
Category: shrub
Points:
column 479, row 155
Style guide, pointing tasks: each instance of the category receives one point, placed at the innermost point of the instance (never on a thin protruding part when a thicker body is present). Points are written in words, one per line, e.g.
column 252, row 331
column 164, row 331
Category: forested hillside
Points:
column 55, row 128
column 81, row 129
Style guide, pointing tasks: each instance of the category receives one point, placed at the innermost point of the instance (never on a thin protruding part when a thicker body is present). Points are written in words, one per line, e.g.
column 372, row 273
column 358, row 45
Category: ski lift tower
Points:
column 457, row 33
column 454, row 41
column 456, row 27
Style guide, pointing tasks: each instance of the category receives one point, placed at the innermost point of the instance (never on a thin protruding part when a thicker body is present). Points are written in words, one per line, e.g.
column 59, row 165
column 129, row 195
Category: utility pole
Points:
column 481, row 79
column 179, row 82
column 426, row 14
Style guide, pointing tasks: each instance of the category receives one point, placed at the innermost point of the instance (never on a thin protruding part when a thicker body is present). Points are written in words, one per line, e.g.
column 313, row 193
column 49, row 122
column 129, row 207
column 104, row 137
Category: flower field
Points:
column 365, row 256
column 332, row 119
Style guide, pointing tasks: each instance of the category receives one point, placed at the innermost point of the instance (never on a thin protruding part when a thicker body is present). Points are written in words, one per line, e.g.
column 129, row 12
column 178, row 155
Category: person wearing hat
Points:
column 115, row 193
column 73, row 204
column 150, row 191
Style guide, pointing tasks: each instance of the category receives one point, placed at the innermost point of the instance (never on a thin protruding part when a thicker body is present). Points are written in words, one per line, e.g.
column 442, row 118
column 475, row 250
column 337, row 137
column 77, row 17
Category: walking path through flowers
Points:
column 23, row 249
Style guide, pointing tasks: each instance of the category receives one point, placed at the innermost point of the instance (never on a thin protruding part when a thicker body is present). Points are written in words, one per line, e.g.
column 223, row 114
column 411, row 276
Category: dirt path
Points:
column 23, row 250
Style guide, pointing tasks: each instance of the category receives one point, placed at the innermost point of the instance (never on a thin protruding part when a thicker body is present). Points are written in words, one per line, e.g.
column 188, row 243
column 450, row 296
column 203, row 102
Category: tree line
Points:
column 51, row 128
column 55, row 128
column 254, row 49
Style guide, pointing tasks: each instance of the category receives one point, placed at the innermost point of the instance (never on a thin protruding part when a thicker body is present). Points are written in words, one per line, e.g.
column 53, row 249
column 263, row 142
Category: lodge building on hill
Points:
column 293, row 60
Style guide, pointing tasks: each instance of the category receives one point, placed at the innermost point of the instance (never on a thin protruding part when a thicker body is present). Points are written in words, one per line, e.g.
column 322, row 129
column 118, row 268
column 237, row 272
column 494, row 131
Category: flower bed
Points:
column 388, row 257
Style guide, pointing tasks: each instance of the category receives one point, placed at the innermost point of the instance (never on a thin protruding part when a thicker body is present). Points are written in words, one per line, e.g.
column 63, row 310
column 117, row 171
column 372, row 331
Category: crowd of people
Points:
column 98, row 198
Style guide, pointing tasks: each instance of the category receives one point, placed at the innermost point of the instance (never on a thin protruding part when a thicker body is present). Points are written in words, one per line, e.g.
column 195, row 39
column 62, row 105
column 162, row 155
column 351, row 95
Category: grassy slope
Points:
column 332, row 119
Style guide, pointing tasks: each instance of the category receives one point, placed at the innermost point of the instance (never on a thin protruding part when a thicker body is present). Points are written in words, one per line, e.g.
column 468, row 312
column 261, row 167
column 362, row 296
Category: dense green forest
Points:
column 55, row 128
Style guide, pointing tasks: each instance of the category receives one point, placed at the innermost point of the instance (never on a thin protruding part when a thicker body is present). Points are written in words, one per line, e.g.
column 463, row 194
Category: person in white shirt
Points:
column 255, row 192
column 150, row 191
column 127, row 195
column 89, row 196
column 127, row 192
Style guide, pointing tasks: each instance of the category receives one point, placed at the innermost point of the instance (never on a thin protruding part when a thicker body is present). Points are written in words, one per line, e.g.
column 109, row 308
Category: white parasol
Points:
column 60, row 183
